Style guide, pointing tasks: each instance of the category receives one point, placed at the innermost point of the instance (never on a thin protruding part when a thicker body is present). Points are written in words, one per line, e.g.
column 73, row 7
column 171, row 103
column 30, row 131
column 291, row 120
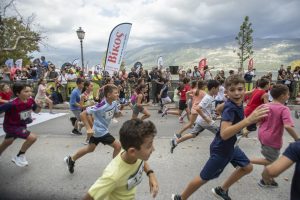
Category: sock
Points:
column 20, row 152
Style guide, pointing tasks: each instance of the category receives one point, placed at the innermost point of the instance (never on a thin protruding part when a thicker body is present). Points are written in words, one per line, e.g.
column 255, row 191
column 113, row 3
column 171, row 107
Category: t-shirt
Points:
column 102, row 112
column 183, row 92
column 272, row 127
column 5, row 96
column 255, row 101
column 208, row 107
column 221, row 94
column 293, row 153
column 75, row 98
column 197, row 99
column 41, row 93
column 17, row 113
column 231, row 113
column 118, row 181
column 164, row 91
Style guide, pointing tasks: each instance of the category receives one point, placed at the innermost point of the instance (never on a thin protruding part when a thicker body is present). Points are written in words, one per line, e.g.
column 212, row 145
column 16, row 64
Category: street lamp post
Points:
column 81, row 34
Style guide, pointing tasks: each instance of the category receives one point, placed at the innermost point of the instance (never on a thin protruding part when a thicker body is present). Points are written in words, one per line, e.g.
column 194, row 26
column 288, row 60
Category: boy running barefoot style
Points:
column 17, row 116
column 206, row 114
column 272, row 127
column 97, row 131
column 125, row 171
column 222, row 149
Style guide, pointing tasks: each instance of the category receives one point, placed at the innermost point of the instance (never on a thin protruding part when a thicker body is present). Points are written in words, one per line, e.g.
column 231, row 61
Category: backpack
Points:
column 248, row 77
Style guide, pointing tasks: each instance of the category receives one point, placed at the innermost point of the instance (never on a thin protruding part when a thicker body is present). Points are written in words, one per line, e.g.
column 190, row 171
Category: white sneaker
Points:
column 114, row 120
column 23, row 159
column 18, row 161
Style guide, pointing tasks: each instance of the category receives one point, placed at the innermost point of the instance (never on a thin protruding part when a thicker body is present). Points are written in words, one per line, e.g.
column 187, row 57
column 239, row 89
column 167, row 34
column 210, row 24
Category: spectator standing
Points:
column 249, row 75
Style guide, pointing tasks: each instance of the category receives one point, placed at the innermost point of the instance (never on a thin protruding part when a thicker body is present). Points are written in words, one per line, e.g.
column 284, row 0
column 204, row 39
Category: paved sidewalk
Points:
column 47, row 176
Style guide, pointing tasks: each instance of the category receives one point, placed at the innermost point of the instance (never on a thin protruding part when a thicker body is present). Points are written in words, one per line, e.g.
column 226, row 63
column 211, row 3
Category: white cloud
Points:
column 156, row 21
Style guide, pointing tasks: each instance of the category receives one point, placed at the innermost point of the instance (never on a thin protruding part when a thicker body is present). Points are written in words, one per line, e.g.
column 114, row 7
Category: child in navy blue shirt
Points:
column 223, row 149
column 290, row 156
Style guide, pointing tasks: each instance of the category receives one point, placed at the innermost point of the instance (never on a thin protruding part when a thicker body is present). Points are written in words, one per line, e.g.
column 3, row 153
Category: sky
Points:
column 154, row 21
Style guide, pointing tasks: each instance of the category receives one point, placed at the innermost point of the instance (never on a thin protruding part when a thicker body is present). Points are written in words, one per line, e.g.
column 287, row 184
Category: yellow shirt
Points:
column 118, row 181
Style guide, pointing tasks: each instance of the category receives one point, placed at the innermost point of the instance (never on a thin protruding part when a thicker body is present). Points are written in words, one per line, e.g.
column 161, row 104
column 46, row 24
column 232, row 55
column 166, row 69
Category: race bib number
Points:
column 109, row 114
column 136, row 178
column 25, row 115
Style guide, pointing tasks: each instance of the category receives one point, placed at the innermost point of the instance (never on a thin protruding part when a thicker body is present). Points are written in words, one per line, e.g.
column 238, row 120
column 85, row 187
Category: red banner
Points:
column 201, row 65
column 250, row 64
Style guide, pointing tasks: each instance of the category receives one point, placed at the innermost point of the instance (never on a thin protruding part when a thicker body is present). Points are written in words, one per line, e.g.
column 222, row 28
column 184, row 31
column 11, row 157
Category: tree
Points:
column 17, row 39
column 245, row 41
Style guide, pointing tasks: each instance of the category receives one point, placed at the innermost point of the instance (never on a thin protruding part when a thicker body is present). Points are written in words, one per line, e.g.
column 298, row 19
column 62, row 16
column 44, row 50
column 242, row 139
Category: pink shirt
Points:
column 197, row 99
column 271, row 128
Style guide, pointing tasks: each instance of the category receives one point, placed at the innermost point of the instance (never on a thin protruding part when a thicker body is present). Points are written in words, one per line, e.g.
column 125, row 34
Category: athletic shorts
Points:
column 217, row 163
column 77, row 114
column 182, row 105
column 166, row 100
column 199, row 128
column 270, row 153
column 136, row 110
column 16, row 132
column 105, row 139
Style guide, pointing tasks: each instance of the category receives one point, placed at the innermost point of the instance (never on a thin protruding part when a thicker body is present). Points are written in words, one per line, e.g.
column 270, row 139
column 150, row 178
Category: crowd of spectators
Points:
column 153, row 78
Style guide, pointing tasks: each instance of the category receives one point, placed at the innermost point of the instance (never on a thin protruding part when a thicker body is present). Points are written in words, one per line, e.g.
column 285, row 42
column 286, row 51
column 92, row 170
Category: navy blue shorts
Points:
column 217, row 163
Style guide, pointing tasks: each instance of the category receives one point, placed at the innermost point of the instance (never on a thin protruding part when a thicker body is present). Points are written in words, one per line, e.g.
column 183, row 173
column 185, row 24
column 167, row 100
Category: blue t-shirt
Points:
column 164, row 89
column 293, row 153
column 102, row 112
column 231, row 113
column 75, row 98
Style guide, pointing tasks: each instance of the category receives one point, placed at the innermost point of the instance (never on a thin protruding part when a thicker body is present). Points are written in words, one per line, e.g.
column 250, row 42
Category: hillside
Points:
column 268, row 54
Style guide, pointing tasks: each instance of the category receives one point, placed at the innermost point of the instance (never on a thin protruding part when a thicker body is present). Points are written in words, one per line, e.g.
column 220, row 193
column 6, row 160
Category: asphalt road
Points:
column 47, row 176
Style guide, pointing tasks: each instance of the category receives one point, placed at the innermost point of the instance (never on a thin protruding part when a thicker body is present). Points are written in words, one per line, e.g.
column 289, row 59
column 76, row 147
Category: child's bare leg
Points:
column 134, row 116
column 146, row 114
column 84, row 150
column 185, row 137
column 260, row 161
column 193, row 118
column 194, row 185
column 6, row 143
column 28, row 142
column 236, row 175
column 117, row 147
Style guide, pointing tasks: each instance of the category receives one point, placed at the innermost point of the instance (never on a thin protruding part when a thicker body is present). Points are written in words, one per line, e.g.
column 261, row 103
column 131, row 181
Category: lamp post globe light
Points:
column 80, row 34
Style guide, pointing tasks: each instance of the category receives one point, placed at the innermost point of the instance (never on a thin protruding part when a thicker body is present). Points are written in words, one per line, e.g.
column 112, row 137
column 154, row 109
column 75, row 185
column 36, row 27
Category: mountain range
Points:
column 269, row 53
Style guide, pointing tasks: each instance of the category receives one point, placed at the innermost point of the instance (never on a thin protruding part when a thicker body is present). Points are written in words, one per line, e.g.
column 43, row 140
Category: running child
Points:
column 86, row 100
column 222, row 149
column 124, row 172
column 258, row 97
column 163, row 94
column 138, row 103
column 17, row 116
column 102, row 113
column 197, row 95
column 271, row 129
column 205, row 119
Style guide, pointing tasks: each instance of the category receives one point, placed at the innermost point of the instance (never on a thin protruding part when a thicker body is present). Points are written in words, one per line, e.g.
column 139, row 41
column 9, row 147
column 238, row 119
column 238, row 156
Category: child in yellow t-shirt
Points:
column 124, row 172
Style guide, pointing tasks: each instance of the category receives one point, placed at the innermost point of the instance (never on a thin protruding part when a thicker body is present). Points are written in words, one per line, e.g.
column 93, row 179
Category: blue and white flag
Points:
column 75, row 62
column 19, row 63
column 9, row 63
